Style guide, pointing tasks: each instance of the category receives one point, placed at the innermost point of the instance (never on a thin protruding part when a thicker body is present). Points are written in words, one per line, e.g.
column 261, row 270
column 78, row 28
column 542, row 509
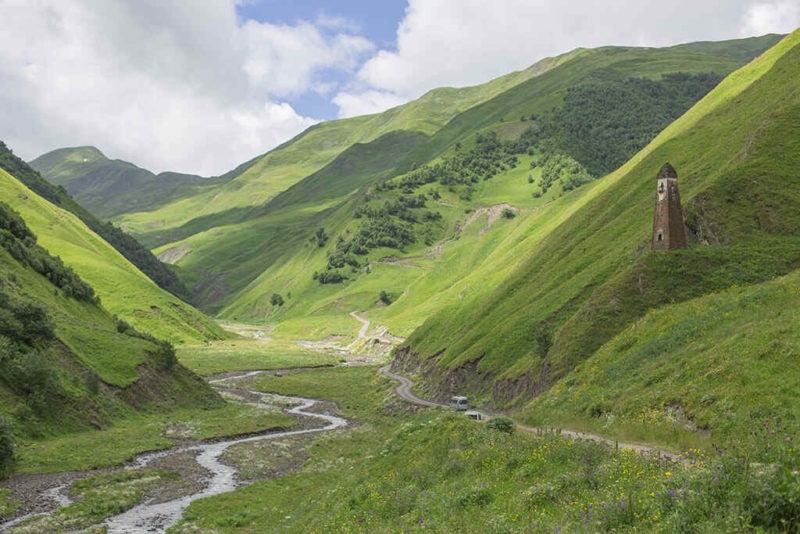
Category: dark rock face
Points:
column 669, row 231
column 466, row 379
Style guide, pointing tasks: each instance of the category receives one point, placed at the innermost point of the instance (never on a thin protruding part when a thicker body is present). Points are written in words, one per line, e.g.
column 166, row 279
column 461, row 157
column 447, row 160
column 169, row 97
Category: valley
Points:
column 274, row 349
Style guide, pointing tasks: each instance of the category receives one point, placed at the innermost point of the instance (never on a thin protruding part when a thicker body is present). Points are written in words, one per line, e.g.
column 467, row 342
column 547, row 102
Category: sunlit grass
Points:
column 249, row 354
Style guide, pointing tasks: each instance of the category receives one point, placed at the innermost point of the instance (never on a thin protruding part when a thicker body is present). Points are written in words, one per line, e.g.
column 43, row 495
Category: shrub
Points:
column 329, row 277
column 508, row 213
column 502, row 424
column 385, row 298
column 34, row 376
column 276, row 300
column 320, row 237
column 164, row 358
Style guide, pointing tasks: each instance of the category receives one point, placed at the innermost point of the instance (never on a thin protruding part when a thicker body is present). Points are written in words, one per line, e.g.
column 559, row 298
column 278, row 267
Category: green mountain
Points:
column 617, row 330
column 495, row 234
column 235, row 259
column 109, row 187
column 124, row 290
column 67, row 365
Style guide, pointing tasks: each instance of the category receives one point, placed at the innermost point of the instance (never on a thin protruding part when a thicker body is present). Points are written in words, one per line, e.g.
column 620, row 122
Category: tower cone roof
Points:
column 667, row 171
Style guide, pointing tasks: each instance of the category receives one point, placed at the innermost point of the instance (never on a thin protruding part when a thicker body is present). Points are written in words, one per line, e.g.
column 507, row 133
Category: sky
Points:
column 200, row 86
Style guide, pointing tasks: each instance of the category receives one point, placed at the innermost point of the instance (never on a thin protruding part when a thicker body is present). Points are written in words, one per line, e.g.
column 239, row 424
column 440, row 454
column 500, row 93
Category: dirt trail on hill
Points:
column 404, row 392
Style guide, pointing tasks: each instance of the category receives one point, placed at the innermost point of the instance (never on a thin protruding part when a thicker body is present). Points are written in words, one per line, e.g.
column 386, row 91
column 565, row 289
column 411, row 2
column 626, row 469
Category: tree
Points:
column 321, row 237
column 7, row 447
column 276, row 300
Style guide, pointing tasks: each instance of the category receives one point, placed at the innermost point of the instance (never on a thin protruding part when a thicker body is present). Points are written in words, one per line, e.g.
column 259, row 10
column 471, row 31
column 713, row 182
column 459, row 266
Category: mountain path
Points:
column 404, row 391
column 362, row 333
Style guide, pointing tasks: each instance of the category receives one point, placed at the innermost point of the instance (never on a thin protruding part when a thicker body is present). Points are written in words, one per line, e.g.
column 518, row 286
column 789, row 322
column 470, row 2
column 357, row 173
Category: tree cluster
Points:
column 603, row 123
column 26, row 368
column 20, row 242
column 390, row 225
column 560, row 167
column 7, row 447
column 488, row 157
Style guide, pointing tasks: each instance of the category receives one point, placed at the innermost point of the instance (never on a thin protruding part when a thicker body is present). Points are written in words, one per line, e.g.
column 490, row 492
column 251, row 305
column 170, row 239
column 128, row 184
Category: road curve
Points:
column 404, row 389
column 404, row 392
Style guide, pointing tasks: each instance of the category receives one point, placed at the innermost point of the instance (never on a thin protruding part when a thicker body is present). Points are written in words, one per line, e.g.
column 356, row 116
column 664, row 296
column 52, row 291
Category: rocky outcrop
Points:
column 440, row 383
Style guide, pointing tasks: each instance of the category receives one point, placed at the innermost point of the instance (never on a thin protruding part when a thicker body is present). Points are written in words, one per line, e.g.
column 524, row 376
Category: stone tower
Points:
column 668, row 229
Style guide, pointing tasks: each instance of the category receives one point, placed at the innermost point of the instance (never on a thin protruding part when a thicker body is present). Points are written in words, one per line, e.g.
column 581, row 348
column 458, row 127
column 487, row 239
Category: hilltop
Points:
column 110, row 187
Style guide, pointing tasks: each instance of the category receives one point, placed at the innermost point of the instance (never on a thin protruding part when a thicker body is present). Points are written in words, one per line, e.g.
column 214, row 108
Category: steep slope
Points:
column 66, row 365
column 125, row 244
column 241, row 264
column 109, row 187
column 124, row 290
column 584, row 281
column 713, row 364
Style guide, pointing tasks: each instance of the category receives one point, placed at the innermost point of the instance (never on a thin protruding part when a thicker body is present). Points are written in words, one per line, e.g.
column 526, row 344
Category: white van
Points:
column 459, row 404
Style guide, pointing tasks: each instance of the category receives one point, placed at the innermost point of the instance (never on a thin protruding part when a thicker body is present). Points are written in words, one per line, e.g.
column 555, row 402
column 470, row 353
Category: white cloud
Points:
column 188, row 86
column 365, row 102
column 781, row 16
column 283, row 59
column 174, row 85
column 466, row 42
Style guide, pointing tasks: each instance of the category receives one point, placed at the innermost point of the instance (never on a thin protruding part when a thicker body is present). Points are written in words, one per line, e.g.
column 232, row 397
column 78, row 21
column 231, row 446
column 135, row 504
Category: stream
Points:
column 158, row 517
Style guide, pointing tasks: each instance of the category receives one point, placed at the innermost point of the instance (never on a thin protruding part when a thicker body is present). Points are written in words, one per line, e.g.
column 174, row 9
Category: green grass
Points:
column 7, row 505
column 353, row 389
column 87, row 353
column 247, row 354
column 276, row 263
column 138, row 433
column 438, row 471
column 238, row 252
column 88, row 332
column 311, row 151
column 723, row 363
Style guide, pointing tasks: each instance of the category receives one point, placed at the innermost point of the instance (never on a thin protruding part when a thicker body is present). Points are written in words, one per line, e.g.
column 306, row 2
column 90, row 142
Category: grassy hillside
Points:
column 592, row 275
column 712, row 364
column 108, row 187
column 66, row 365
column 125, row 244
column 240, row 265
column 123, row 289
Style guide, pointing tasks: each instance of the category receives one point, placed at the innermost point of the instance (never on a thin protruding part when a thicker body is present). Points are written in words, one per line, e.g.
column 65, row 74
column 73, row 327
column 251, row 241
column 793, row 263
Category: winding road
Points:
column 403, row 391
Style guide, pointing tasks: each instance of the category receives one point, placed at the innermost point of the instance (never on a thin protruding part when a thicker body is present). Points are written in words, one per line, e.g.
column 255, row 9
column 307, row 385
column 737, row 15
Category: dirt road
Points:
column 404, row 392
